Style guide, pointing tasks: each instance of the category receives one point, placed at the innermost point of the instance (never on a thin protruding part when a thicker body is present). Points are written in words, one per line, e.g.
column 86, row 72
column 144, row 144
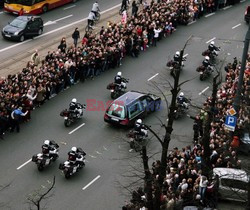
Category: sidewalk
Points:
column 19, row 61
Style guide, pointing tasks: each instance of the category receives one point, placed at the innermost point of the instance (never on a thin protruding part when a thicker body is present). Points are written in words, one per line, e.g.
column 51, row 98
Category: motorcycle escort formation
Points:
column 116, row 89
column 49, row 154
column 75, row 162
column 70, row 116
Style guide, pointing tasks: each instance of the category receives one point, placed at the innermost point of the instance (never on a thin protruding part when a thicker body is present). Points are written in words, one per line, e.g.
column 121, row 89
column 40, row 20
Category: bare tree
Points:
column 38, row 196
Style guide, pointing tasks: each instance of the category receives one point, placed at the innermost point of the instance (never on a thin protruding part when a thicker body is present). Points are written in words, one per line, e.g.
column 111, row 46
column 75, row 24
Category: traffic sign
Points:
column 230, row 122
column 231, row 111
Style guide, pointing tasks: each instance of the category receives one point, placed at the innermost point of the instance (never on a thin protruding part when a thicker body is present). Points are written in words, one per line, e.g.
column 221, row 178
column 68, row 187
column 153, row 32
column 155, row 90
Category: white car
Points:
column 232, row 183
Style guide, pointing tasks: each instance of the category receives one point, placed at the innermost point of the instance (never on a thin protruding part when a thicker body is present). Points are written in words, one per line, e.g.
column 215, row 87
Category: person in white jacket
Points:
column 157, row 31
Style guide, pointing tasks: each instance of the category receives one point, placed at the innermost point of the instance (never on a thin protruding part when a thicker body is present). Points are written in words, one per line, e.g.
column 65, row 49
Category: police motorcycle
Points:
column 46, row 157
column 211, row 52
column 70, row 116
column 73, row 164
column 174, row 63
column 117, row 89
column 181, row 109
column 205, row 69
column 137, row 138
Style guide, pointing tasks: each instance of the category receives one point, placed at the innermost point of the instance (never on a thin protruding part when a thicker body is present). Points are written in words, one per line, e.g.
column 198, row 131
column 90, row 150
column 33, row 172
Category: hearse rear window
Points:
column 117, row 110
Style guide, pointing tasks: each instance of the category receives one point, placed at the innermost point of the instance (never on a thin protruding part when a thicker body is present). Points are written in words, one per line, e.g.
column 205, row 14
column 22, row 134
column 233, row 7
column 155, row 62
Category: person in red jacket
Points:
column 21, row 12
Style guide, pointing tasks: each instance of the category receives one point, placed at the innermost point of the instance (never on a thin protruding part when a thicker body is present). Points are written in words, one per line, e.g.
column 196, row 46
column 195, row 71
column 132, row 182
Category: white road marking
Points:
column 236, row 26
column 227, row 7
column 153, row 76
column 15, row 45
column 1, row 13
column 211, row 40
column 98, row 153
column 105, row 148
column 50, row 22
column 23, row 164
column 242, row 1
column 92, row 156
column 63, row 18
column 76, row 128
column 43, row 186
column 204, row 90
column 57, row 29
column 84, row 188
column 184, row 56
column 192, row 22
column 209, row 14
column 86, row 161
column 69, row 7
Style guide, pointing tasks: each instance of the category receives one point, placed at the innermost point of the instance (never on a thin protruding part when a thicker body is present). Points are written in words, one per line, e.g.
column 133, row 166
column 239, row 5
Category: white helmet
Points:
column 177, row 53
column 139, row 121
column 212, row 42
column 74, row 149
column 74, row 100
column 119, row 74
column 46, row 142
column 207, row 58
column 181, row 94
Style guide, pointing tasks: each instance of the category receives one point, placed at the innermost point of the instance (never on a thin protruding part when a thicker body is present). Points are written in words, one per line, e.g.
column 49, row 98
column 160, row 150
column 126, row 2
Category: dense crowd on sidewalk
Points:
column 185, row 183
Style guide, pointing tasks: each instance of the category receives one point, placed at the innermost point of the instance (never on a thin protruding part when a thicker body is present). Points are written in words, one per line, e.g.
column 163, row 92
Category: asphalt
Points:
column 105, row 145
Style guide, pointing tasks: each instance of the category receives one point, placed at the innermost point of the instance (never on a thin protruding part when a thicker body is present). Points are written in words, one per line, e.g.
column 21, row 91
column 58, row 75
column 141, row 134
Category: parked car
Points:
column 131, row 106
column 232, row 183
column 23, row 27
column 245, row 144
column 247, row 14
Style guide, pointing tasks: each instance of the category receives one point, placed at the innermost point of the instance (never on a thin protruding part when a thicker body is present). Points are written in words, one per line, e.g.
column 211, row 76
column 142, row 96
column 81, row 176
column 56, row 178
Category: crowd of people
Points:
column 42, row 79
column 62, row 68
column 185, row 183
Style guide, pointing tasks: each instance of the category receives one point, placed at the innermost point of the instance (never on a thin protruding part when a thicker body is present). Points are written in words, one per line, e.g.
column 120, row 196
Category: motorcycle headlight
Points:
column 16, row 33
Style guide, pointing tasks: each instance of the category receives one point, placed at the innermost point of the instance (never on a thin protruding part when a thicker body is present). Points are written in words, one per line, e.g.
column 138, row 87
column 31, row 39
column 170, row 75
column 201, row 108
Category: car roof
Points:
column 129, row 97
column 26, row 17
column 231, row 173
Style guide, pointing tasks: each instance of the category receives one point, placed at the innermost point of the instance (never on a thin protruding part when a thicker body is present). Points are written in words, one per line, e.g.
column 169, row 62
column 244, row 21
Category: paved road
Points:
column 108, row 154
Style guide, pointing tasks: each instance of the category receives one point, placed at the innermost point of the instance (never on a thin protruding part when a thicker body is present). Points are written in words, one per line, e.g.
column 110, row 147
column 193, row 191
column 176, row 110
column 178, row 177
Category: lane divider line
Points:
column 153, row 76
column 211, row 40
column 242, row 1
column 63, row 18
column 23, row 164
column 84, row 188
column 236, row 26
column 204, row 90
column 209, row 14
column 69, row 7
column 76, row 128
column 192, row 22
column 184, row 56
column 99, row 153
column 225, row 8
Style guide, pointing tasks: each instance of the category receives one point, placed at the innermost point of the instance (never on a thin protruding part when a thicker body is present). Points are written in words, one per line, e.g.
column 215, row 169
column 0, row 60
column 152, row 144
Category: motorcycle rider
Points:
column 76, row 156
column 206, row 63
column 182, row 100
column 76, row 107
column 177, row 58
column 119, row 80
column 212, row 48
column 95, row 8
column 140, row 128
column 49, row 148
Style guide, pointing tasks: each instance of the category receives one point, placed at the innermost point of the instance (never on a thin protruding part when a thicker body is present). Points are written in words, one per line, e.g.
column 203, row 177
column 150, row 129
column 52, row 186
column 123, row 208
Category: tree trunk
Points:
column 148, row 179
